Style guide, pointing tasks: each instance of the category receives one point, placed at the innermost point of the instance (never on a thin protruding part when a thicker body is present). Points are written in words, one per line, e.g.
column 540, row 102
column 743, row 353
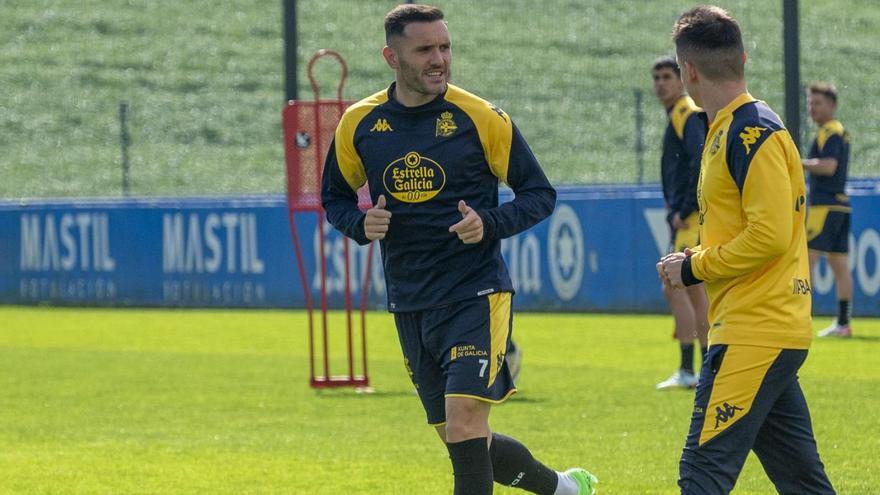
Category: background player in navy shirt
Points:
column 828, row 217
column 679, row 171
column 432, row 155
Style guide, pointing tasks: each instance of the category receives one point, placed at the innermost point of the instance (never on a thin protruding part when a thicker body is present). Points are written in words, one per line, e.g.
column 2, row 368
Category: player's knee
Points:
column 463, row 429
column 466, row 419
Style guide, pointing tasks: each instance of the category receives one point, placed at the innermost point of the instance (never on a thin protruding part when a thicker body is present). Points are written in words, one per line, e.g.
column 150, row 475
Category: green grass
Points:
column 152, row 401
column 205, row 83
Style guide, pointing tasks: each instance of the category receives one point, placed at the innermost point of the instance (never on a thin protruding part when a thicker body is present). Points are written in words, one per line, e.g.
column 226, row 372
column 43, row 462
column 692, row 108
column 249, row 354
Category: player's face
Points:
column 423, row 57
column 667, row 85
column 821, row 108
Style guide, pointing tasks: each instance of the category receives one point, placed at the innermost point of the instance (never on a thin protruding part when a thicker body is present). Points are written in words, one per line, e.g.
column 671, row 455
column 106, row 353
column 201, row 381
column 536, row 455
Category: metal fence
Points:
column 204, row 84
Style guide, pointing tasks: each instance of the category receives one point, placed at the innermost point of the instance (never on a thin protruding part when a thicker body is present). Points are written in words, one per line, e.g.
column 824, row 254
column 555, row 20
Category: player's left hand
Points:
column 678, row 223
column 669, row 270
column 470, row 228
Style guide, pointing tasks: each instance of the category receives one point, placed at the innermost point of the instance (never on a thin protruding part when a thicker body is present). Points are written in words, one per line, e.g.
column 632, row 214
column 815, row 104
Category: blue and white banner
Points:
column 596, row 253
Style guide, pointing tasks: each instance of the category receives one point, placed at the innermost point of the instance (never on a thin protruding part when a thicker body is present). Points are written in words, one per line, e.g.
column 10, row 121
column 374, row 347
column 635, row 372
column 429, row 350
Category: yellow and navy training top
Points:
column 680, row 162
column 753, row 249
column 832, row 141
column 425, row 160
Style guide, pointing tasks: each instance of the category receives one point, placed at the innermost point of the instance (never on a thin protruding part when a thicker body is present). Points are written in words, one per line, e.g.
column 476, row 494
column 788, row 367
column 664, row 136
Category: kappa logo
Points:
column 725, row 414
column 381, row 125
column 750, row 135
column 445, row 125
column 500, row 112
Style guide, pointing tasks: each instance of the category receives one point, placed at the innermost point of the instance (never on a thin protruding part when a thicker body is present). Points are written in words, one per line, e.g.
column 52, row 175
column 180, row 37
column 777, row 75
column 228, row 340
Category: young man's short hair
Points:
column 825, row 89
column 666, row 62
column 710, row 38
column 398, row 18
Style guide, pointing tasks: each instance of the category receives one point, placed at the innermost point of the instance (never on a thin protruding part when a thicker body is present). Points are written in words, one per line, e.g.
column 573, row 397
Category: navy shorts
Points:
column 749, row 398
column 828, row 229
column 458, row 350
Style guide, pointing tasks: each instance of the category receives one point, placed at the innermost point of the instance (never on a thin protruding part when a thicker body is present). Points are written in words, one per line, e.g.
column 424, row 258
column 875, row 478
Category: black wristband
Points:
column 488, row 225
column 687, row 273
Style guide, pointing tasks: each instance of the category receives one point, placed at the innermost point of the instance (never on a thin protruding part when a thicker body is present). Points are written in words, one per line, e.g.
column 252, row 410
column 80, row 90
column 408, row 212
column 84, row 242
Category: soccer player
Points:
column 753, row 260
column 679, row 170
column 829, row 212
column 432, row 155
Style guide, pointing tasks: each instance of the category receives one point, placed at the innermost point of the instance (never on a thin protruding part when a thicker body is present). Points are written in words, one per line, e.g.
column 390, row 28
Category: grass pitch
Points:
column 157, row 401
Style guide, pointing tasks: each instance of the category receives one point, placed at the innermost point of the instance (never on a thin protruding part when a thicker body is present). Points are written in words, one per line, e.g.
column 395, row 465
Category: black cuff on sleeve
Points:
column 359, row 234
column 488, row 225
column 685, row 212
column 687, row 273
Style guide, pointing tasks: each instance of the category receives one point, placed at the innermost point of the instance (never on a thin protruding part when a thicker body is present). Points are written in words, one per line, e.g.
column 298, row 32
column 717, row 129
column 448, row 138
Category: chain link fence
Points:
column 204, row 84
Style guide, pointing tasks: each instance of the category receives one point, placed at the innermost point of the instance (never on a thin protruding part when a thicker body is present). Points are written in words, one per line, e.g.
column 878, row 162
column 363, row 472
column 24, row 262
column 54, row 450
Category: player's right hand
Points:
column 377, row 220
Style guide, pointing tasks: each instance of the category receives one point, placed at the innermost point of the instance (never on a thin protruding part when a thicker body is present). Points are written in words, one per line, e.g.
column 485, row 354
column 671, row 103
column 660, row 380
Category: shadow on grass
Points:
column 348, row 393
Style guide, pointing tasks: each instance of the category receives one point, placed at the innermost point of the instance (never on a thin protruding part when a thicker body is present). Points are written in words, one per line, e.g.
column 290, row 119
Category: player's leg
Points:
column 684, row 318
column 814, row 257
column 478, row 376
column 828, row 235
column 425, row 371
column 467, row 439
column 786, row 447
column 738, row 387
column 840, row 266
column 838, row 226
column 514, row 359
column 700, row 304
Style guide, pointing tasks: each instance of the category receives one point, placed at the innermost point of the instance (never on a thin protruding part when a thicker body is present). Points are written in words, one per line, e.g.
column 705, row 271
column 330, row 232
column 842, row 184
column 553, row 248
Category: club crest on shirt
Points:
column 414, row 178
column 445, row 125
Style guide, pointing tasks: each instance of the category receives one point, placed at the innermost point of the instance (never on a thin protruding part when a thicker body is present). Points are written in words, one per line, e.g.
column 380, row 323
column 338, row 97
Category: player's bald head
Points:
column 399, row 17
column 709, row 38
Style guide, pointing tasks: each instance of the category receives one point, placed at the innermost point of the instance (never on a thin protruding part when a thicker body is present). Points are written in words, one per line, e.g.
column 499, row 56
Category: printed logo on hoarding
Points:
column 566, row 257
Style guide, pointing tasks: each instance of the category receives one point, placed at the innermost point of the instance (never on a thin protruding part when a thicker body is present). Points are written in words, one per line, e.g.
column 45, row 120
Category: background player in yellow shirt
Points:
column 679, row 171
column 828, row 219
column 752, row 258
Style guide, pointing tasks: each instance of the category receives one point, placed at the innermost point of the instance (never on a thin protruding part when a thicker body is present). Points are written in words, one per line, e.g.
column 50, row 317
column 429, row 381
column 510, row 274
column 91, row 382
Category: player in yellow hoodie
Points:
column 753, row 260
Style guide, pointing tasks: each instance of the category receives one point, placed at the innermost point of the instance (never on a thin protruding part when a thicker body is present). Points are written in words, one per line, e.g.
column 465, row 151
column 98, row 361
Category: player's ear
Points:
column 689, row 71
column 390, row 57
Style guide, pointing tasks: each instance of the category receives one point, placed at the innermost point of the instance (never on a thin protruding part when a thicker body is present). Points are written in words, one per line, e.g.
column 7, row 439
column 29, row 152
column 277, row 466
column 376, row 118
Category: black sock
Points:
column 844, row 310
column 687, row 357
column 513, row 465
column 471, row 467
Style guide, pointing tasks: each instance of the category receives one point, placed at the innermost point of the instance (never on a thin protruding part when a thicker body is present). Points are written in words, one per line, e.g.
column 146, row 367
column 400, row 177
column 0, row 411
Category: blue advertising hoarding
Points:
column 596, row 253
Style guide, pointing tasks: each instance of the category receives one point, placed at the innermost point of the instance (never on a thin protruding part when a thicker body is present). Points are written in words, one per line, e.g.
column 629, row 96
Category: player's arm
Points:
column 826, row 164
column 339, row 186
column 693, row 139
column 513, row 162
column 765, row 188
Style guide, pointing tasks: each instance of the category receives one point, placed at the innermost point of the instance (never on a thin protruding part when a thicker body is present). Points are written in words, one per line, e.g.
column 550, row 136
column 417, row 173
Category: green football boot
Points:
column 585, row 480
